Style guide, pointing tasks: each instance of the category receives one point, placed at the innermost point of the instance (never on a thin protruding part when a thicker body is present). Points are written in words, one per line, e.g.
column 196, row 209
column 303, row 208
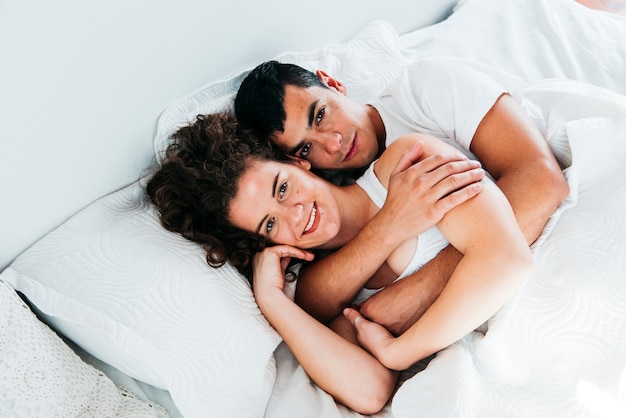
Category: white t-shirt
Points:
column 445, row 97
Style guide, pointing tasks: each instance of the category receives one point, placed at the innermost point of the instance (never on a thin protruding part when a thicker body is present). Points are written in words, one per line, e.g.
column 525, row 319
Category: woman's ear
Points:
column 300, row 162
column 331, row 82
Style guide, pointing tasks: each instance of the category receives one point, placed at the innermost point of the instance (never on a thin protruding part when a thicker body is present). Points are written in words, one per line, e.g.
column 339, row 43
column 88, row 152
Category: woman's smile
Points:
column 287, row 204
column 314, row 221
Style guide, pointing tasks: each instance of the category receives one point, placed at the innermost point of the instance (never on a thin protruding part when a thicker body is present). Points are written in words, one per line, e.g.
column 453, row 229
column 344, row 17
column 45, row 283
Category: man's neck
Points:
column 379, row 127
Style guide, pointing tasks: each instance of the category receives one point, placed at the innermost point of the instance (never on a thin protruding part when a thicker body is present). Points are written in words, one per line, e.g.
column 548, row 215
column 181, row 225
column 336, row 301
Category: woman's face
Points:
column 286, row 203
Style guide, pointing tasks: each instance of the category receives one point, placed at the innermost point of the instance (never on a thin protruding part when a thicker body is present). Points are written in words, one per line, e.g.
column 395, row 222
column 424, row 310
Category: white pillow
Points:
column 41, row 376
column 145, row 301
column 536, row 40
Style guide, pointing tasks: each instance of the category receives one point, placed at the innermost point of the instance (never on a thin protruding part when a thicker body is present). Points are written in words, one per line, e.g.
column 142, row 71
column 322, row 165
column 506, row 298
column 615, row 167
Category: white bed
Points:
column 144, row 307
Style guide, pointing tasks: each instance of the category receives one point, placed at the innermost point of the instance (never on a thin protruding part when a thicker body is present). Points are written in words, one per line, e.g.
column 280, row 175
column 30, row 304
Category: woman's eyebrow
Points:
column 258, row 229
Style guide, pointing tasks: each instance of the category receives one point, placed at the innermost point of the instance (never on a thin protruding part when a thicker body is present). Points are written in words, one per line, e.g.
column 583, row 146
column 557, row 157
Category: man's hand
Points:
column 420, row 194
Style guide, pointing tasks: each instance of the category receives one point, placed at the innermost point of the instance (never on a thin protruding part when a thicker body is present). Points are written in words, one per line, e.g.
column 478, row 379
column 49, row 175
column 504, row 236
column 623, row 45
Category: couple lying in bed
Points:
column 225, row 188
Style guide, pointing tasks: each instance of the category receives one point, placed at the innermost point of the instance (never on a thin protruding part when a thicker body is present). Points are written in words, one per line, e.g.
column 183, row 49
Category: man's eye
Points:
column 282, row 189
column 320, row 115
column 305, row 150
column 269, row 226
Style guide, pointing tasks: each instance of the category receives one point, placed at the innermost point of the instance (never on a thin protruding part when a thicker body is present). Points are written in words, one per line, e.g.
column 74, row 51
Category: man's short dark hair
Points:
column 259, row 104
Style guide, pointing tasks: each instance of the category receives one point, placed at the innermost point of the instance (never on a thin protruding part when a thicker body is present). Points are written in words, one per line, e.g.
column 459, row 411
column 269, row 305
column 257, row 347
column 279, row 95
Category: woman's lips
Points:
column 314, row 221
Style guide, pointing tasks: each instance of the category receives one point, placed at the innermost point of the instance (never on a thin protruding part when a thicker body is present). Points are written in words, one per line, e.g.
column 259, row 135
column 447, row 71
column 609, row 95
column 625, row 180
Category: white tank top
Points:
column 429, row 242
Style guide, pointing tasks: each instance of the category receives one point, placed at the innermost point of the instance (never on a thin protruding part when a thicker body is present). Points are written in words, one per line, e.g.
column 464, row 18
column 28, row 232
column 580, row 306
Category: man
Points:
column 473, row 107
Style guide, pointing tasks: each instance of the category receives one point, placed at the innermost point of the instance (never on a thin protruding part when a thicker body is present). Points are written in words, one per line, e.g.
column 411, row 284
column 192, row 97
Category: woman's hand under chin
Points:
column 268, row 270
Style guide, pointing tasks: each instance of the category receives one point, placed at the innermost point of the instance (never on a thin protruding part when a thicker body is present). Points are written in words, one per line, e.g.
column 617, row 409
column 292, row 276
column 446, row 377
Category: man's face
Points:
column 327, row 128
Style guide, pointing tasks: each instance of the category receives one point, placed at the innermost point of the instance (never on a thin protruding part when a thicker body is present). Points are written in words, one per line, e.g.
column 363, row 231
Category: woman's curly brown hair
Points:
column 196, row 182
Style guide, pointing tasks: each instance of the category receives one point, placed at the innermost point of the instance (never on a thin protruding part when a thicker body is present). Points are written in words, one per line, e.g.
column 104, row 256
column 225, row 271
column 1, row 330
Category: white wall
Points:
column 82, row 84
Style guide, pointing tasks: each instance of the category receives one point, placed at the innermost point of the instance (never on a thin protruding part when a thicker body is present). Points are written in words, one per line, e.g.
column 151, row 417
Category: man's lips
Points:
column 352, row 150
column 314, row 221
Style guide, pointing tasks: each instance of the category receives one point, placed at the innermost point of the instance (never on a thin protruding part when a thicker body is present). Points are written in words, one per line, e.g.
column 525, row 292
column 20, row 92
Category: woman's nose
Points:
column 293, row 213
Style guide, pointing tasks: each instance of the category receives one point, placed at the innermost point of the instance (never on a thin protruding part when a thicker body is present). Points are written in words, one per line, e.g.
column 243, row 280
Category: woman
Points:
column 222, row 188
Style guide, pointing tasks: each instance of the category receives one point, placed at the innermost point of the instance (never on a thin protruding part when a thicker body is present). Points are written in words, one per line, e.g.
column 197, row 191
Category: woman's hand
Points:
column 268, row 268
column 331, row 357
column 374, row 338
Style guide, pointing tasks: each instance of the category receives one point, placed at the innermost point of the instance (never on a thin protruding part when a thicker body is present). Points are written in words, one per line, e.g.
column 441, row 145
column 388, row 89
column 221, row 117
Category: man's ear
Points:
column 300, row 162
column 331, row 82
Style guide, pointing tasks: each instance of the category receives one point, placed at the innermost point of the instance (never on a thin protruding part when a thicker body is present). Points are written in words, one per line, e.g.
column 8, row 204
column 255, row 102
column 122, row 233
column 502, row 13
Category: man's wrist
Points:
column 381, row 228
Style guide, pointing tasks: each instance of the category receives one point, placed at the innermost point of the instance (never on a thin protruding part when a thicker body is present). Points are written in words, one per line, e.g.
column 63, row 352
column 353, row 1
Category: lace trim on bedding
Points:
column 41, row 376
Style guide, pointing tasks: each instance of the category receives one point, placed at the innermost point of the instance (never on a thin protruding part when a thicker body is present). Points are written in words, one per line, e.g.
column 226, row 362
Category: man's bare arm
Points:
column 513, row 150
column 419, row 196
column 401, row 304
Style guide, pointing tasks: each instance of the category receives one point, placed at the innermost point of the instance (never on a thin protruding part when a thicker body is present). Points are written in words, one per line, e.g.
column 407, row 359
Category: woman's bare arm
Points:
column 331, row 357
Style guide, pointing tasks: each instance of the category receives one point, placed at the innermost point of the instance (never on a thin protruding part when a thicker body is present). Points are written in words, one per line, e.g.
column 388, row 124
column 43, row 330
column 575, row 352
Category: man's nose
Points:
column 332, row 142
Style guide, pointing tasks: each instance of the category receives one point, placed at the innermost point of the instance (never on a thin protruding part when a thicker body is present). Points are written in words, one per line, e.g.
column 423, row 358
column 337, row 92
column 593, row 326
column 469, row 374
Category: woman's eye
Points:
column 282, row 189
column 305, row 150
column 269, row 226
